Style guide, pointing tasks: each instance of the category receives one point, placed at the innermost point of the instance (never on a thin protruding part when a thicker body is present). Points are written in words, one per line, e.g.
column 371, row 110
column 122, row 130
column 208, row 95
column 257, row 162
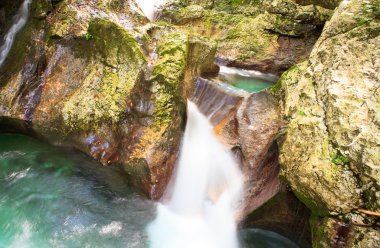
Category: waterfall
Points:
column 149, row 7
column 207, row 187
column 18, row 22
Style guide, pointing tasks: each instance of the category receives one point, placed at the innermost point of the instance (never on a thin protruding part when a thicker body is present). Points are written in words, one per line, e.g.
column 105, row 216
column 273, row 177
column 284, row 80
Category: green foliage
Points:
column 302, row 113
column 339, row 159
column 88, row 36
column 234, row 3
column 375, row 9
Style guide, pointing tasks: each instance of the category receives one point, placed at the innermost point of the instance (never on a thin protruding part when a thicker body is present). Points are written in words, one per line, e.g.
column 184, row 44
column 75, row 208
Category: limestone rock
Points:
column 306, row 154
column 329, row 154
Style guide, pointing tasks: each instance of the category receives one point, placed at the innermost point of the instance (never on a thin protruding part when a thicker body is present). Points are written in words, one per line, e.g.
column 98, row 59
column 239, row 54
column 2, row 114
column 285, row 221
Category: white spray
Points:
column 200, row 212
column 149, row 7
column 18, row 22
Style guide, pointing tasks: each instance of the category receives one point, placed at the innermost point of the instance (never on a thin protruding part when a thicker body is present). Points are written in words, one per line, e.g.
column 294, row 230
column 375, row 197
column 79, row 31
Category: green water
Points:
column 251, row 85
column 54, row 197
column 244, row 81
column 60, row 198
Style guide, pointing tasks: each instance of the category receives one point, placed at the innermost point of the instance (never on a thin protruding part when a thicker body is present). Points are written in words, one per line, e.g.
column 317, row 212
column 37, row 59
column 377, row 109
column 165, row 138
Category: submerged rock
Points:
column 329, row 154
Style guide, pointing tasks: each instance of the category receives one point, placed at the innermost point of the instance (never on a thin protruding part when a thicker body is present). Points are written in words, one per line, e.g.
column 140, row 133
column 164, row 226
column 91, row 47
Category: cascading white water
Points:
column 149, row 7
column 207, row 186
column 18, row 22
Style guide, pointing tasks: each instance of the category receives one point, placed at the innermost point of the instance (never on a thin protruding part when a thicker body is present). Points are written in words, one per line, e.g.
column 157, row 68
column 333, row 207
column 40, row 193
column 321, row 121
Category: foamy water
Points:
column 18, row 22
column 207, row 187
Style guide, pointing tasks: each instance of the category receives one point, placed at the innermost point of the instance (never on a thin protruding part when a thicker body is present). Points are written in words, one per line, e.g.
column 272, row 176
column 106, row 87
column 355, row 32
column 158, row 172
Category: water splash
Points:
column 200, row 212
column 150, row 7
column 18, row 22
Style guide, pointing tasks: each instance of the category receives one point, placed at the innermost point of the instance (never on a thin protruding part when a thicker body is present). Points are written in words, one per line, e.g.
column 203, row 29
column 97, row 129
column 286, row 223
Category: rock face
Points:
column 268, row 36
column 99, row 78
column 330, row 152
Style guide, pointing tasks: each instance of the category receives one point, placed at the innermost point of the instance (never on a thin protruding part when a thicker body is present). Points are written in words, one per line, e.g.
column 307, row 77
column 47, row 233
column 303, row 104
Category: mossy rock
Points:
column 167, row 75
column 249, row 40
column 114, row 43
column 102, row 95
column 324, row 186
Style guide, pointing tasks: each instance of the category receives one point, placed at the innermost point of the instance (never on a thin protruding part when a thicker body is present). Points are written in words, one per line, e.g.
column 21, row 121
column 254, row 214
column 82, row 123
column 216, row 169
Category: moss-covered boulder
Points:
column 319, row 182
column 109, row 86
column 330, row 153
column 103, row 93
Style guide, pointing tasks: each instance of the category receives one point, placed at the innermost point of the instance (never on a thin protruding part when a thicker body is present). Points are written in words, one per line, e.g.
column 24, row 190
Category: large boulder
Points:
column 330, row 152
column 112, row 87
